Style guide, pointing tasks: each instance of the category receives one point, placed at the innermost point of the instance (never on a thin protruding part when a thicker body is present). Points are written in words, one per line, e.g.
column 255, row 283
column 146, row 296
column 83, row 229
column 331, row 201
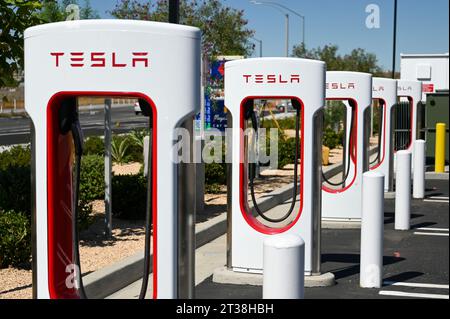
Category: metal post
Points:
column 287, row 35
column 317, row 194
column 403, row 191
column 260, row 48
column 186, row 219
column 372, row 226
column 108, row 169
column 303, row 19
column 371, row 122
column 174, row 11
column 439, row 166
column 284, row 267
column 419, row 169
column 394, row 56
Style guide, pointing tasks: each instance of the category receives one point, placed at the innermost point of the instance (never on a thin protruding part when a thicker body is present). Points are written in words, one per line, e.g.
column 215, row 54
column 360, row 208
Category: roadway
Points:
column 16, row 130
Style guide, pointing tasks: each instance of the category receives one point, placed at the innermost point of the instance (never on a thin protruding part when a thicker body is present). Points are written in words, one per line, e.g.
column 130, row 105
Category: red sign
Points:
column 428, row 88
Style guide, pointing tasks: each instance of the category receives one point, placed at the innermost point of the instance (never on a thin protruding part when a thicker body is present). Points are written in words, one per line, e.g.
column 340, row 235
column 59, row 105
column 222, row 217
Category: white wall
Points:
column 430, row 69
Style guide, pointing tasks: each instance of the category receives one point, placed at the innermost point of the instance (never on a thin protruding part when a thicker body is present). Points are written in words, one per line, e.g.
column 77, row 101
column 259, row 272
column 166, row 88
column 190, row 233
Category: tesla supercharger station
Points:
column 341, row 201
column 385, row 94
column 157, row 63
column 410, row 91
column 303, row 82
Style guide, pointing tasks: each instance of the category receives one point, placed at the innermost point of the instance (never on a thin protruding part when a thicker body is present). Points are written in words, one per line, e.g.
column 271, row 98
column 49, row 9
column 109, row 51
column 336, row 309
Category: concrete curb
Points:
column 106, row 281
column 223, row 275
column 436, row 176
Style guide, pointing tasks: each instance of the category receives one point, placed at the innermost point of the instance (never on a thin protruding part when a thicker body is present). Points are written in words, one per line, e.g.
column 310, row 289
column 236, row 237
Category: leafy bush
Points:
column 129, row 196
column 15, row 239
column 119, row 147
column 287, row 123
column 286, row 152
column 332, row 139
column 216, row 173
column 92, row 178
column 15, row 189
column 15, row 156
column 94, row 145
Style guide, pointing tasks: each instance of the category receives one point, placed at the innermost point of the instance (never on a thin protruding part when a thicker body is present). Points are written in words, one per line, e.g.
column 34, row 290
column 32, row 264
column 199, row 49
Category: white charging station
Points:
column 355, row 90
column 385, row 93
column 156, row 62
column 410, row 91
column 302, row 81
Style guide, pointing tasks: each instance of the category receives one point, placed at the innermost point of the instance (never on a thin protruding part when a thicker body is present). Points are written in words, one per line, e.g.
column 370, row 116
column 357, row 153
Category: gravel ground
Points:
column 95, row 251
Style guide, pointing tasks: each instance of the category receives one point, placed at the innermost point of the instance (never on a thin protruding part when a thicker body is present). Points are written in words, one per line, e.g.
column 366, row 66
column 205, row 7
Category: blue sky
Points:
column 423, row 26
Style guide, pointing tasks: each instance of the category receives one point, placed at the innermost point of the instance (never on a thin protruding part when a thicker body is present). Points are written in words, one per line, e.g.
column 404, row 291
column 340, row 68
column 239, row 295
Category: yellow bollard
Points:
column 325, row 155
column 439, row 159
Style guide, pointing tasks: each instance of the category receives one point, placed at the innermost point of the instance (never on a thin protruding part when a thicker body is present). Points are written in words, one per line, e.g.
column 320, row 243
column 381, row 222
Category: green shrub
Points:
column 134, row 153
column 332, row 139
column 94, row 145
column 119, row 148
column 92, row 178
column 15, row 189
column 287, row 123
column 15, row 239
column 214, row 188
column 215, row 173
column 286, row 152
column 129, row 196
column 15, row 156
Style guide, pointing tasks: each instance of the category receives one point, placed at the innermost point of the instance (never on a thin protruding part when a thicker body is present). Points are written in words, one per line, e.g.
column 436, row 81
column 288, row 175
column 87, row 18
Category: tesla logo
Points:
column 100, row 59
column 404, row 88
column 271, row 78
column 378, row 88
column 340, row 86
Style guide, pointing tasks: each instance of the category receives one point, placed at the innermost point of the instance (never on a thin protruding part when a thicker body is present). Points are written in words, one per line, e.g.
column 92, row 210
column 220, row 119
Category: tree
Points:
column 54, row 11
column 358, row 60
column 224, row 30
column 15, row 17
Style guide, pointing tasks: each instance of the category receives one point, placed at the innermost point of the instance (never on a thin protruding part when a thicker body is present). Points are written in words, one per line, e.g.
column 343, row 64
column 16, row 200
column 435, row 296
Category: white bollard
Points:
column 372, row 227
column 284, row 267
column 403, row 191
column 419, row 169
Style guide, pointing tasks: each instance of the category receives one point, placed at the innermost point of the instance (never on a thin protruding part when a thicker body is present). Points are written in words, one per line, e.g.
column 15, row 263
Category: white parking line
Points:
column 433, row 229
column 412, row 295
column 435, row 201
column 415, row 284
column 439, row 197
column 430, row 234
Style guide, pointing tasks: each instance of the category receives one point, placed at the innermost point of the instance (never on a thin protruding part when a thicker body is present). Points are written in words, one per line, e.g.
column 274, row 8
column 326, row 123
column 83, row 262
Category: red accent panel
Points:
column 384, row 136
column 60, row 152
column 243, row 182
column 353, row 141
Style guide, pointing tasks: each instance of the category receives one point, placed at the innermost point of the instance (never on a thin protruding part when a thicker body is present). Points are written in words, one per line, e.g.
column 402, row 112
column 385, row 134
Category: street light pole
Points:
column 174, row 11
column 275, row 4
column 287, row 23
column 287, row 35
column 395, row 40
column 260, row 46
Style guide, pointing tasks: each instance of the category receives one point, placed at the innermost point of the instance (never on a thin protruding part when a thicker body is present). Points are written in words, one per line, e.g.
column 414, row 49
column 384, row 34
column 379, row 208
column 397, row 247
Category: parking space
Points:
column 416, row 262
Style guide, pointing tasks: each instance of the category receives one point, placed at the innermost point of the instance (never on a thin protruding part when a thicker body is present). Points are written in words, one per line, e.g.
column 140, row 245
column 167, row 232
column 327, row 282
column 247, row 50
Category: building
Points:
column 431, row 69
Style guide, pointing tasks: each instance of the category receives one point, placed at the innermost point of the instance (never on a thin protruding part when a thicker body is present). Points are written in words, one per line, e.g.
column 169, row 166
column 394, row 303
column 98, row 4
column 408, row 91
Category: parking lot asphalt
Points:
column 416, row 262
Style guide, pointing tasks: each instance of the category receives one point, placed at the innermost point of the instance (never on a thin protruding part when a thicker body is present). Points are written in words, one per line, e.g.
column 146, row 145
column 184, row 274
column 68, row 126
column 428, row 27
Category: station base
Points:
column 224, row 275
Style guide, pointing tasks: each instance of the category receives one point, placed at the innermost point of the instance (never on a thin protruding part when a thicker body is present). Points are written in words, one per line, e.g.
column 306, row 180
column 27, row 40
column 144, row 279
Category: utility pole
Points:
column 174, row 11
column 395, row 40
